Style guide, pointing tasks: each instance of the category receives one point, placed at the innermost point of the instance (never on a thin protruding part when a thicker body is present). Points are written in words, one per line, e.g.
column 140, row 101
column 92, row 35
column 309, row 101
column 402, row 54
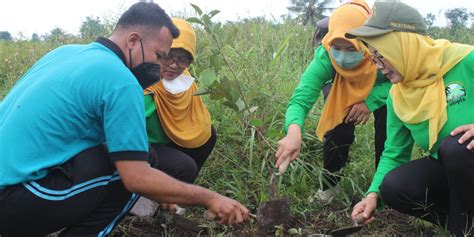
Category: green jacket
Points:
column 459, row 86
column 319, row 72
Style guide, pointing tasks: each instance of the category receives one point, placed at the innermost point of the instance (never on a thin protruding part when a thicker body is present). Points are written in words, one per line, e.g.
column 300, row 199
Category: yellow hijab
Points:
column 184, row 117
column 350, row 85
column 423, row 62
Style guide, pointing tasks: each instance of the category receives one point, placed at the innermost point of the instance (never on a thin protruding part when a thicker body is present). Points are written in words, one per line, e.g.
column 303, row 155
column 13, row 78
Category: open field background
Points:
column 251, row 68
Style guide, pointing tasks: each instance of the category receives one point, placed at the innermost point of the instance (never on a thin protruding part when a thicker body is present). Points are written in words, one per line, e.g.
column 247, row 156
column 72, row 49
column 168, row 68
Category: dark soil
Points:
column 388, row 223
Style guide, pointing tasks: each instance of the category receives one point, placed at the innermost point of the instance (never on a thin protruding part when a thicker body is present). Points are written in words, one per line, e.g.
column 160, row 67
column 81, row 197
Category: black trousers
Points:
column 338, row 141
column 85, row 196
column 439, row 191
column 182, row 163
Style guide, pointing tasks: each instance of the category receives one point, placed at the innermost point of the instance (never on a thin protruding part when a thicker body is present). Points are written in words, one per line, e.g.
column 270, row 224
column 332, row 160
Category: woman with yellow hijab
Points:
column 431, row 104
column 178, row 123
column 357, row 90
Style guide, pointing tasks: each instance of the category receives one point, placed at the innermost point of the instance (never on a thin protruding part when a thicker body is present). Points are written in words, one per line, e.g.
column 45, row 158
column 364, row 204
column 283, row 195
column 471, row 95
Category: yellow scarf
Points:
column 423, row 62
column 184, row 117
column 350, row 86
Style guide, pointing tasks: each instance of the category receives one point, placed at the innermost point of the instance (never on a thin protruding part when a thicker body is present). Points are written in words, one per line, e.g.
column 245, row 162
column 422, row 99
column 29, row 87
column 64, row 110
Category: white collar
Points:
column 181, row 83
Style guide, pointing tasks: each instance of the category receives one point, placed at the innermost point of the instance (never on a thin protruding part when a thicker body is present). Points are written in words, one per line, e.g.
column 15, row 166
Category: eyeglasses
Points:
column 377, row 59
column 182, row 62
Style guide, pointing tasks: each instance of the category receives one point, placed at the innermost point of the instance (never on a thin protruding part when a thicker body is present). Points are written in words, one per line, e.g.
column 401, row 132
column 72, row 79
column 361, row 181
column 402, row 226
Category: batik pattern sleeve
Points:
column 124, row 123
column 318, row 73
column 398, row 148
column 378, row 96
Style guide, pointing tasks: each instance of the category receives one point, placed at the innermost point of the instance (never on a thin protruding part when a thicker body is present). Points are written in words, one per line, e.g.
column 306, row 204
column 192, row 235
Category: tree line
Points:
column 307, row 12
column 91, row 28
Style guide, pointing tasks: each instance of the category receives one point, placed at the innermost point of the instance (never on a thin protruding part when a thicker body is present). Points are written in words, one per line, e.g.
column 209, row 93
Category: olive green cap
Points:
column 388, row 17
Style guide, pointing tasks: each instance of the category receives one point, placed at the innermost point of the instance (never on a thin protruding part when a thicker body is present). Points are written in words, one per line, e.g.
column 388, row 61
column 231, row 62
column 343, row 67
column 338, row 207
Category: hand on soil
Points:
column 364, row 208
column 228, row 210
column 168, row 207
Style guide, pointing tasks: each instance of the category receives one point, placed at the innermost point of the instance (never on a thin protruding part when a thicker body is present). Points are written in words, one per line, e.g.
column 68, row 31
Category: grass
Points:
column 269, row 59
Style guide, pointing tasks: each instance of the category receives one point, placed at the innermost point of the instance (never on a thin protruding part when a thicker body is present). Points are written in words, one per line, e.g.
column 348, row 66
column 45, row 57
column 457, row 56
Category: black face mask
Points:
column 147, row 74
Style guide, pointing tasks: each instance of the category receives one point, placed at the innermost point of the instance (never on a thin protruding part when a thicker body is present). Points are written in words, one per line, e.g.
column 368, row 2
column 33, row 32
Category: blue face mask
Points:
column 347, row 60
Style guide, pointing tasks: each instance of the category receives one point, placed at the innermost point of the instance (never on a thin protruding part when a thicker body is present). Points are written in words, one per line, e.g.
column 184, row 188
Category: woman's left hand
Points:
column 468, row 131
column 359, row 113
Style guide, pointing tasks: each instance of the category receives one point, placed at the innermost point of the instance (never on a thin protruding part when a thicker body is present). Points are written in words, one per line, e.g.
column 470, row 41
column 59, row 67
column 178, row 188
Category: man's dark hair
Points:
column 147, row 14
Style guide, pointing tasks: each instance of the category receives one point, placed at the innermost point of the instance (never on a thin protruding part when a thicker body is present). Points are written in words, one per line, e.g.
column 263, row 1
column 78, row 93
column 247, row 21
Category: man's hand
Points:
column 366, row 208
column 290, row 145
column 468, row 131
column 359, row 113
column 139, row 177
column 168, row 207
column 227, row 211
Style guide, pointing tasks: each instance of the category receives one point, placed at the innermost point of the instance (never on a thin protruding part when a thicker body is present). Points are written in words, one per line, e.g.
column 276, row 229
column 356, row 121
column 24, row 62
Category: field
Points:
column 251, row 68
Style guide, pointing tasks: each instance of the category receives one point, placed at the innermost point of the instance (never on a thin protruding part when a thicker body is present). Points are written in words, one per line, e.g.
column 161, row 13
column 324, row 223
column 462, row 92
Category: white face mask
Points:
column 179, row 84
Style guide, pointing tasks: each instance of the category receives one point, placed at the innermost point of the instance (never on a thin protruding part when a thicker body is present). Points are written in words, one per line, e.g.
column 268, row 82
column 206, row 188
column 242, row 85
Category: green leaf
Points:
column 217, row 27
column 213, row 13
column 207, row 20
column 195, row 20
column 207, row 29
column 281, row 48
column 225, row 88
column 231, row 105
column 203, row 91
column 273, row 134
column 197, row 9
column 215, row 62
column 230, row 89
column 256, row 122
column 215, row 51
column 216, row 96
column 234, row 92
column 208, row 76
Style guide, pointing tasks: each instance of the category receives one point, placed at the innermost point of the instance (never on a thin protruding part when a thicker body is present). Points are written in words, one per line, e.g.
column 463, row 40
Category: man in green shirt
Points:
column 430, row 104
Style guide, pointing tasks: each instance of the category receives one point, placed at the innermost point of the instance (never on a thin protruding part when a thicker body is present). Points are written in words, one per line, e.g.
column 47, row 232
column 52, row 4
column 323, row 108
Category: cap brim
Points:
column 366, row 31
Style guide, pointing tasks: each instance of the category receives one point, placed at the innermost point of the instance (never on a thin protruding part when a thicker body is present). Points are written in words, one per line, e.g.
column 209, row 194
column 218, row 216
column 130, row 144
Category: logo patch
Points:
column 455, row 94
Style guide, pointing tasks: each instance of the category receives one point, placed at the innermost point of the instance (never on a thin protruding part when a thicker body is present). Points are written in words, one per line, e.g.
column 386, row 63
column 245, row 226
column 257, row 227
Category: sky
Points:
column 41, row 16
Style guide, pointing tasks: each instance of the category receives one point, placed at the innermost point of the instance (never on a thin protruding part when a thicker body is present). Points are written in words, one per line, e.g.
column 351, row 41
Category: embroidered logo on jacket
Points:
column 455, row 94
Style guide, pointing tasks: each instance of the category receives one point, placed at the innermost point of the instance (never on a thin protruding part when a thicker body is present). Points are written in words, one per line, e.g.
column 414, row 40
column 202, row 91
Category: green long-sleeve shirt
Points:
column 459, row 84
column 319, row 72
column 155, row 131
